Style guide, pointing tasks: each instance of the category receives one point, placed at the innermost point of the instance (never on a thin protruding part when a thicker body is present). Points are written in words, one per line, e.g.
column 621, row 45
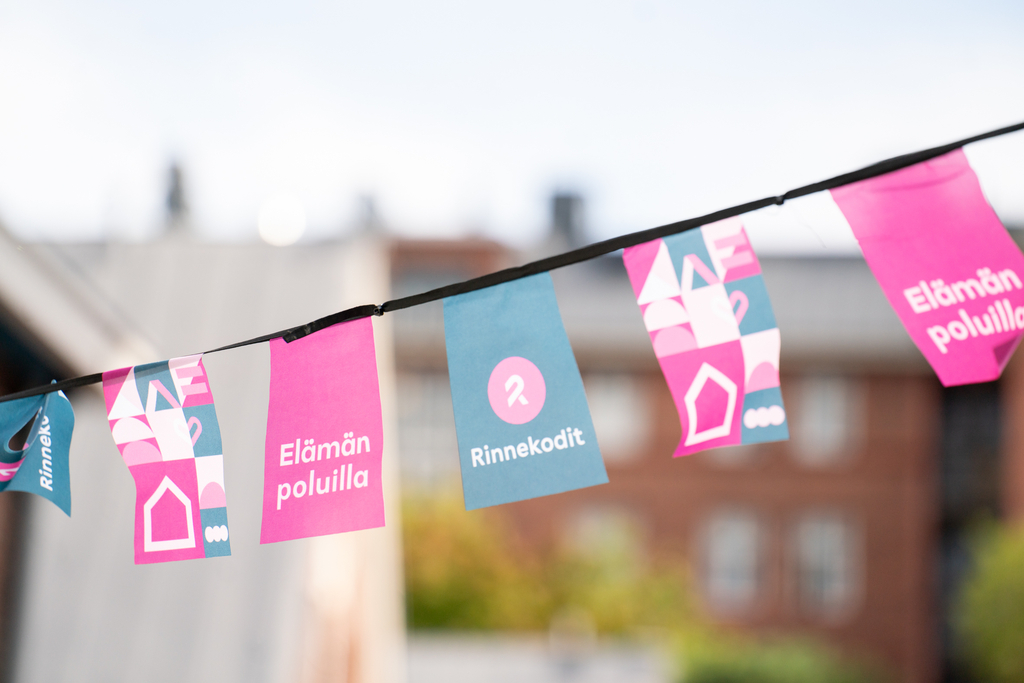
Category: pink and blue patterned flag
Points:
column 707, row 311
column 164, row 423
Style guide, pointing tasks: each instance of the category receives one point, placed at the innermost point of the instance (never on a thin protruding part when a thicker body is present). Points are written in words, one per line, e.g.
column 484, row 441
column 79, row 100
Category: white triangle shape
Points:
column 661, row 281
column 127, row 403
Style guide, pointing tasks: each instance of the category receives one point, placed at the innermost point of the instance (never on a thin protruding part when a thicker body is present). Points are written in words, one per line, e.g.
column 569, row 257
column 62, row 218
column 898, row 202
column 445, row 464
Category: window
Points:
column 829, row 419
column 621, row 414
column 429, row 451
column 733, row 560
column 827, row 564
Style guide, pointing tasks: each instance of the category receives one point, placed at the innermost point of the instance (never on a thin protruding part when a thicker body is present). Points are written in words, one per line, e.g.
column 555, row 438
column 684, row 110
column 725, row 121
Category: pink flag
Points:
column 706, row 308
column 165, row 425
column 324, row 435
column 945, row 262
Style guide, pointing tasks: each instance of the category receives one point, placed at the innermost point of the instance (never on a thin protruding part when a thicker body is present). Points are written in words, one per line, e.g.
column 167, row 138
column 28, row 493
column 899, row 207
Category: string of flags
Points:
column 946, row 264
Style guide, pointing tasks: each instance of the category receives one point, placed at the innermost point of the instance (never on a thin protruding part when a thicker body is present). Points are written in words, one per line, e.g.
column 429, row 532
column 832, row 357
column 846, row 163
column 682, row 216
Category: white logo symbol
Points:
column 764, row 416
column 705, row 373
column 151, row 545
column 517, row 392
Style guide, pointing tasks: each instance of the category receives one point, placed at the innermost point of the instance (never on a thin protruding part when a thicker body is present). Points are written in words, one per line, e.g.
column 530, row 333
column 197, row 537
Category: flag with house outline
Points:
column 163, row 421
column 706, row 309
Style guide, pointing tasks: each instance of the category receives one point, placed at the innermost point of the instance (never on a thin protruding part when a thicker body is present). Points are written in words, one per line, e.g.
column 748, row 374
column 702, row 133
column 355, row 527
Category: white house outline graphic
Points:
column 705, row 373
column 147, row 519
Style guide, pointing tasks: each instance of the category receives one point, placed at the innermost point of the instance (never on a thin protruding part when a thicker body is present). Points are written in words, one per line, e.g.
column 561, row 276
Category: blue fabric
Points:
column 518, row 320
column 682, row 245
column 760, row 316
column 765, row 398
column 43, row 468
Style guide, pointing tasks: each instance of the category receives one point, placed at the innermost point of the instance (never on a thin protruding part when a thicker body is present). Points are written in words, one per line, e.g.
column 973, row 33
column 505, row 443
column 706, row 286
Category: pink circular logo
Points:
column 516, row 390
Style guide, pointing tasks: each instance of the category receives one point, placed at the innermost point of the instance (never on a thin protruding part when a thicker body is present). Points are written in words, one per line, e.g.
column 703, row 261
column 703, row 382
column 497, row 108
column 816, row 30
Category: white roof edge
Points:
column 60, row 311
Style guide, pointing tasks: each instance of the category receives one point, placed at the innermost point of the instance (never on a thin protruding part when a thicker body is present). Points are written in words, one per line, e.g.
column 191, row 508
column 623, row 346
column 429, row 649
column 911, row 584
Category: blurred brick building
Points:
column 853, row 531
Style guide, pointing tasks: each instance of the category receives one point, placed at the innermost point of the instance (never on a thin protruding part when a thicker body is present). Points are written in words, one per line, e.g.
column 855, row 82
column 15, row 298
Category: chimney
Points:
column 567, row 219
column 369, row 220
column 176, row 204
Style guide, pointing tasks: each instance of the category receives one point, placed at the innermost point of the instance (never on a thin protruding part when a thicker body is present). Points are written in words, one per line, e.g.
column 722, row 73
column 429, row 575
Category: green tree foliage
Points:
column 716, row 658
column 460, row 573
column 463, row 570
column 991, row 613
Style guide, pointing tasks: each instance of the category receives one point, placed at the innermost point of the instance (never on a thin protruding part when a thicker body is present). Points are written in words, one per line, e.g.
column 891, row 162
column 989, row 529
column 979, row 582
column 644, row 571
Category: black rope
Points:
column 567, row 259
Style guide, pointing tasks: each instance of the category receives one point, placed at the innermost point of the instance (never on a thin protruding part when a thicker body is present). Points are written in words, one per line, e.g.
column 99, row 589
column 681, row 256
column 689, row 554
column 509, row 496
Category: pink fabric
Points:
column 162, row 420
column 948, row 267
column 706, row 309
column 172, row 513
column 322, row 472
column 212, row 497
column 706, row 385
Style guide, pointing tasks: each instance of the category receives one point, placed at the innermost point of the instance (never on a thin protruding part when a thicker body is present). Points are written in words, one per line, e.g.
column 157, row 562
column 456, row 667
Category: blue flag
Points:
column 521, row 416
column 41, row 467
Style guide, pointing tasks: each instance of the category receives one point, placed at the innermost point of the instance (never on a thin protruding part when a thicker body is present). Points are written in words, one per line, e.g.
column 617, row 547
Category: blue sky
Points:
column 461, row 117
